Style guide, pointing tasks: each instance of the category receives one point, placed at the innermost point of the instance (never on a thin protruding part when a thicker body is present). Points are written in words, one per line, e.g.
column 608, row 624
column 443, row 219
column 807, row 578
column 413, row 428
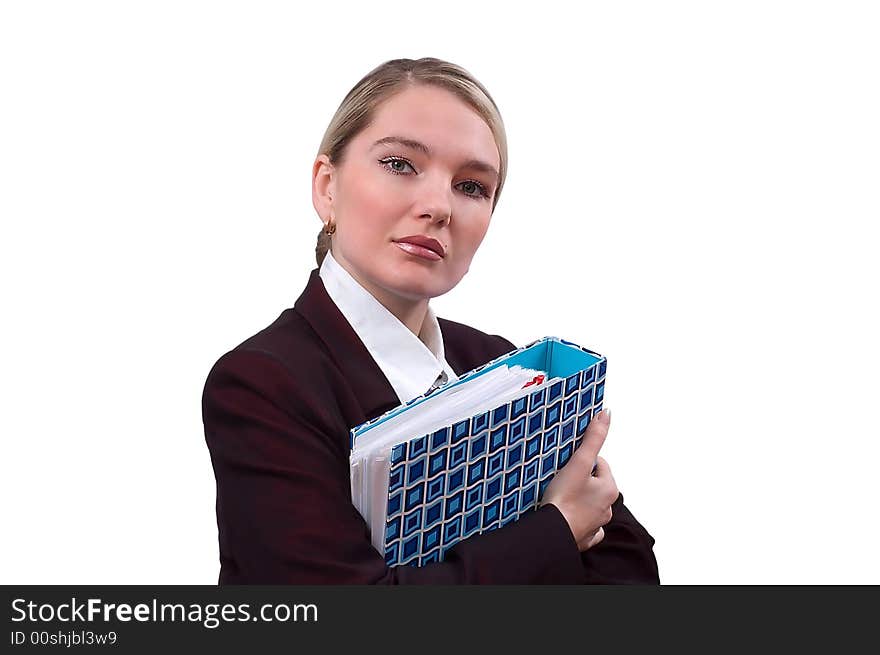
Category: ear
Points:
column 323, row 187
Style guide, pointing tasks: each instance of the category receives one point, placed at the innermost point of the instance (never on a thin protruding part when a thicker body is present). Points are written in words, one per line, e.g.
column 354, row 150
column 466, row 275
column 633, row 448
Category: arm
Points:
column 284, row 508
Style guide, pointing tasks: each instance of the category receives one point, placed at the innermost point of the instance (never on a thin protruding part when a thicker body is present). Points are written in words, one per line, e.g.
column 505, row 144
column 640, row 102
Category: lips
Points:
column 424, row 242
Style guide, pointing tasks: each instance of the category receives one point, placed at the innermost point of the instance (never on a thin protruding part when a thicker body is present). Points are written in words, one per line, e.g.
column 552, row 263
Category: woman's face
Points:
column 439, row 185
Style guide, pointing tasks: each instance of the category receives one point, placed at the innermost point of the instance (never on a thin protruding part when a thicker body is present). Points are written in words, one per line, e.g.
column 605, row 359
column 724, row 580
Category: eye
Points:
column 389, row 163
column 480, row 189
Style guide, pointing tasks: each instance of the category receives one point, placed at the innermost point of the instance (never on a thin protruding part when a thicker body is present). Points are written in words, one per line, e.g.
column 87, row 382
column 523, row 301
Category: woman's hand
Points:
column 583, row 499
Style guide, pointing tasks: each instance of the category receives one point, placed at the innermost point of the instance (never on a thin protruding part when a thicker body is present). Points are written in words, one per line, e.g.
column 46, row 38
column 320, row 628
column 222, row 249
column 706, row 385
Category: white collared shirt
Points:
column 411, row 363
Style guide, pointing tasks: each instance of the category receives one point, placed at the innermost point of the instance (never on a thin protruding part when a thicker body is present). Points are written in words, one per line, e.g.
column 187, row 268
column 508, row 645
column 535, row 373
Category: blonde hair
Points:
column 359, row 106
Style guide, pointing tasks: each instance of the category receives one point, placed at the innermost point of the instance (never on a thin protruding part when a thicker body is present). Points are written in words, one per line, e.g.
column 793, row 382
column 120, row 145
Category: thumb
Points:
column 594, row 437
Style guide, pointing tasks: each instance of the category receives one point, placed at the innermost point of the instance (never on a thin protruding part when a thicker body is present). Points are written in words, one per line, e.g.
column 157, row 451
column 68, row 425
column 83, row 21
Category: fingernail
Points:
column 606, row 415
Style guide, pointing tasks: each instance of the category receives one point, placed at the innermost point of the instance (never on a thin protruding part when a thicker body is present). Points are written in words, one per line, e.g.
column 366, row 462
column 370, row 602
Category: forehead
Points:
column 437, row 118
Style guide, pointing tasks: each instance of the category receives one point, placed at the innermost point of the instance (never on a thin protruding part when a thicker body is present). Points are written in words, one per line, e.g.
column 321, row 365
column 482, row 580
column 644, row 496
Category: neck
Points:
column 409, row 312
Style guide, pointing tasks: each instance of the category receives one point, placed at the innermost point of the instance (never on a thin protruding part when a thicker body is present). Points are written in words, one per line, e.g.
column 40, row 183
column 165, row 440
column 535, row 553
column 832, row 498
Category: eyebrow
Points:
column 475, row 164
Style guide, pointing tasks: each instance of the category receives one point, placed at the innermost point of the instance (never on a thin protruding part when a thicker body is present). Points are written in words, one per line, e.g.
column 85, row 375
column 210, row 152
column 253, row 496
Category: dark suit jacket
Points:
column 277, row 411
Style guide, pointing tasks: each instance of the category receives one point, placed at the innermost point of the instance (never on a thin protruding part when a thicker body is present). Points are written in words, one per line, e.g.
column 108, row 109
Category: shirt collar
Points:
column 411, row 363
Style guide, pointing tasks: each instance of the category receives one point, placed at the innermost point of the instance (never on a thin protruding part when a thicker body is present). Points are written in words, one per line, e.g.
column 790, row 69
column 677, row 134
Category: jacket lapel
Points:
column 369, row 384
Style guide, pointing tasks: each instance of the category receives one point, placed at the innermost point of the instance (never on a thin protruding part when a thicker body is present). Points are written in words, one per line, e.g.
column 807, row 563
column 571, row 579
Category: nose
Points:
column 436, row 199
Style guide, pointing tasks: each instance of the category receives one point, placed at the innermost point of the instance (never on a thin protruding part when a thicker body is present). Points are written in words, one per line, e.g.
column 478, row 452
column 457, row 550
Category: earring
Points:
column 329, row 227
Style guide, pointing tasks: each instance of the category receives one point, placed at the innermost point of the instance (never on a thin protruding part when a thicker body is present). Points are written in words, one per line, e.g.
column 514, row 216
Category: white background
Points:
column 693, row 192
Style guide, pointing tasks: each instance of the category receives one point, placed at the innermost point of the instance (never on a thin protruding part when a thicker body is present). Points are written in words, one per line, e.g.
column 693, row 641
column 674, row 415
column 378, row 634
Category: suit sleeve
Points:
column 625, row 555
column 284, row 510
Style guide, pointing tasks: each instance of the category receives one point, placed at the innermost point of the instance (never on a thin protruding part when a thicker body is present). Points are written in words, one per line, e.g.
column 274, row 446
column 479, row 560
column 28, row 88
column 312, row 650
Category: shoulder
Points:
column 459, row 332
column 279, row 381
column 286, row 350
column 289, row 340
column 467, row 347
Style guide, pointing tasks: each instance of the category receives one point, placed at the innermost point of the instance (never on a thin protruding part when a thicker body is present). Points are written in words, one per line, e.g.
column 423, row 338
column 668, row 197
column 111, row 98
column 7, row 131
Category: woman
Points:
column 407, row 178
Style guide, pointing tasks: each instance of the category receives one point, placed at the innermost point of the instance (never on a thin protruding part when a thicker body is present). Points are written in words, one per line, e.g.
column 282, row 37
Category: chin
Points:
column 420, row 281
column 417, row 290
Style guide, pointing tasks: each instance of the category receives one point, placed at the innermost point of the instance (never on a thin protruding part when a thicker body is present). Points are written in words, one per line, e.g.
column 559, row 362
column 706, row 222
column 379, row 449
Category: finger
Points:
column 602, row 469
column 608, row 475
column 585, row 542
column 599, row 536
column 594, row 437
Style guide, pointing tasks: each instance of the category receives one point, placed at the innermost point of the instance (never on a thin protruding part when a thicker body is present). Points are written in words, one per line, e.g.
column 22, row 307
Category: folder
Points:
column 433, row 471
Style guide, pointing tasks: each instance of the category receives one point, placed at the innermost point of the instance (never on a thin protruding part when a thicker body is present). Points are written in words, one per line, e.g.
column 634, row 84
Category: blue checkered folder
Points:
column 475, row 453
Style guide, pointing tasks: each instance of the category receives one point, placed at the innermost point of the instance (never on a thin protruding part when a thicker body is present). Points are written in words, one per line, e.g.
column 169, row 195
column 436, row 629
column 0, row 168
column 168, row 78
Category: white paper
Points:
column 371, row 455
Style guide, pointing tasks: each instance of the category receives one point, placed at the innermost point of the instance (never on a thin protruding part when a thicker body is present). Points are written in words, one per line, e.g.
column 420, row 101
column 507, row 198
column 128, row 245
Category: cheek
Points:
column 471, row 235
column 368, row 209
